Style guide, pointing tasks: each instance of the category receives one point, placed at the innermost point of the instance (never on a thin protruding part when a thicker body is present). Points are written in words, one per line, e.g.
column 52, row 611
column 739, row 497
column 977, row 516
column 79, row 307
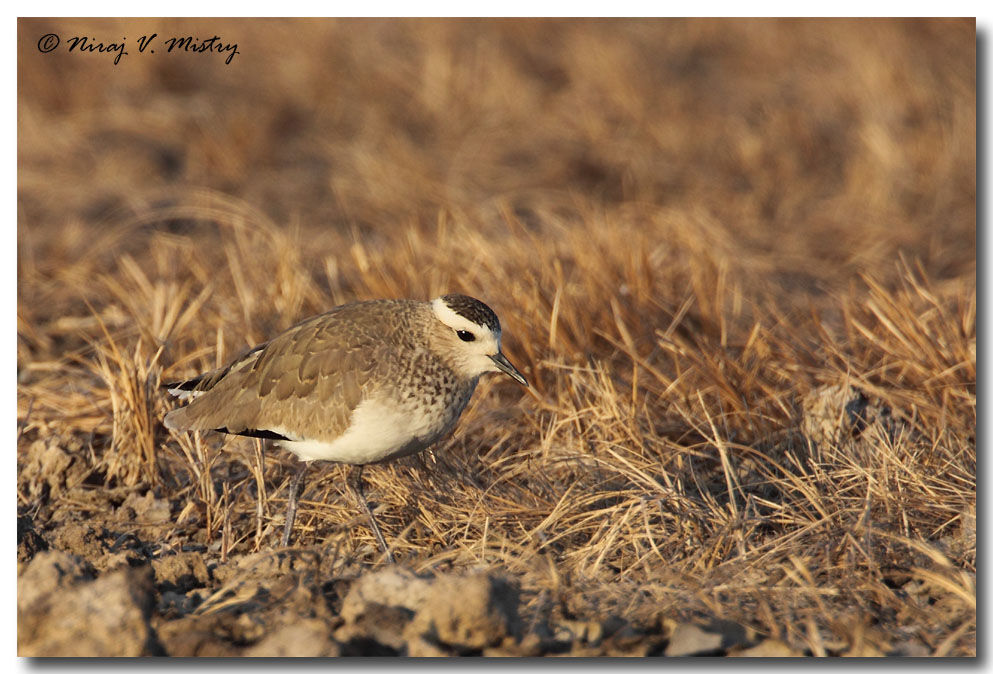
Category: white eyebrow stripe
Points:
column 457, row 321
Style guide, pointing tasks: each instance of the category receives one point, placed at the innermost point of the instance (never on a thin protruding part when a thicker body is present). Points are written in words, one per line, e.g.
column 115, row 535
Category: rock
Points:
column 392, row 587
column 181, row 572
column 146, row 509
column 309, row 638
column 469, row 612
column 106, row 617
column 47, row 465
column 712, row 639
column 50, row 572
column 689, row 639
column 838, row 413
column 401, row 611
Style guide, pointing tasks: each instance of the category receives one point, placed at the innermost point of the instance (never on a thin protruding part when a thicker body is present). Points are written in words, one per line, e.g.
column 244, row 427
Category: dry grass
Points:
column 687, row 227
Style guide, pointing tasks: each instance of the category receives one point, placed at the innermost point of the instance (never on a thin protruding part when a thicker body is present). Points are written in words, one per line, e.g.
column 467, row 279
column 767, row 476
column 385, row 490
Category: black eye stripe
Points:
column 465, row 335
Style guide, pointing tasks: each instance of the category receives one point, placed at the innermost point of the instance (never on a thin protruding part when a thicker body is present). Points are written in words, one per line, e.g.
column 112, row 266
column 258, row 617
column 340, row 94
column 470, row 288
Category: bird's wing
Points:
column 302, row 384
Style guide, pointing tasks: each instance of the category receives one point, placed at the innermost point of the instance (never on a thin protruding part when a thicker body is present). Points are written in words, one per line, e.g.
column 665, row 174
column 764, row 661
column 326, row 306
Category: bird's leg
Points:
column 355, row 482
column 291, row 503
column 262, row 499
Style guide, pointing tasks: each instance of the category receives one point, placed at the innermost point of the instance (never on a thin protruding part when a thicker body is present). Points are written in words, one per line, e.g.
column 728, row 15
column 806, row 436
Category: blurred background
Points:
column 834, row 144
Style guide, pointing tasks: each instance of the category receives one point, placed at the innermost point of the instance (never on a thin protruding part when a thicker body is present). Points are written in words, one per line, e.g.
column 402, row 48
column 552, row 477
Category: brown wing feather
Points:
column 303, row 384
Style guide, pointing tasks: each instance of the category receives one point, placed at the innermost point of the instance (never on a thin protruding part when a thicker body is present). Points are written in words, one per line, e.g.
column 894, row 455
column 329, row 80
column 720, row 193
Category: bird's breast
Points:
column 391, row 425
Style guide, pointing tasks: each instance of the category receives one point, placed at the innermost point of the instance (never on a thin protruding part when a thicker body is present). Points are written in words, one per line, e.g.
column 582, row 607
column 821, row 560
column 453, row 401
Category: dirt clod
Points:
column 483, row 613
column 180, row 572
column 712, row 639
column 108, row 616
column 303, row 639
column 432, row 615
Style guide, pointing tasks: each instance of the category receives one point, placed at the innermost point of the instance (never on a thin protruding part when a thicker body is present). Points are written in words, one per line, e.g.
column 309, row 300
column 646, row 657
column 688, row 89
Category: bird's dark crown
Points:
column 472, row 309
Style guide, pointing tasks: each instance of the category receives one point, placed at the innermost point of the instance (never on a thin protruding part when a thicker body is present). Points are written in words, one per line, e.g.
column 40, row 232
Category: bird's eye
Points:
column 465, row 335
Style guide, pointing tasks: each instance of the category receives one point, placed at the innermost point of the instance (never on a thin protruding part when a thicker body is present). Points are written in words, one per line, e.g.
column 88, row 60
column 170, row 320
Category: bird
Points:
column 366, row 382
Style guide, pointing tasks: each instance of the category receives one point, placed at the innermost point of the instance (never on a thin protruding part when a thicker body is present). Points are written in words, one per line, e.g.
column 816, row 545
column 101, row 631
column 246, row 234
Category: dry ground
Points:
column 736, row 259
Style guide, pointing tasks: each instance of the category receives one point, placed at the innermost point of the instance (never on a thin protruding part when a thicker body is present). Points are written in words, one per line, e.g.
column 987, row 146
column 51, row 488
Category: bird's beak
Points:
column 504, row 365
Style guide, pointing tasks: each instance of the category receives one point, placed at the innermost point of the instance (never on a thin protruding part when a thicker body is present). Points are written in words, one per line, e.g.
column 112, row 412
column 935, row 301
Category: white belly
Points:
column 379, row 430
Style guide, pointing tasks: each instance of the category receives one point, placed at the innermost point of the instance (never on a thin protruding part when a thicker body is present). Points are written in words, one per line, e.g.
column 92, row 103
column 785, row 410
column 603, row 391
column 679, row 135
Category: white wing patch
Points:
column 183, row 394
